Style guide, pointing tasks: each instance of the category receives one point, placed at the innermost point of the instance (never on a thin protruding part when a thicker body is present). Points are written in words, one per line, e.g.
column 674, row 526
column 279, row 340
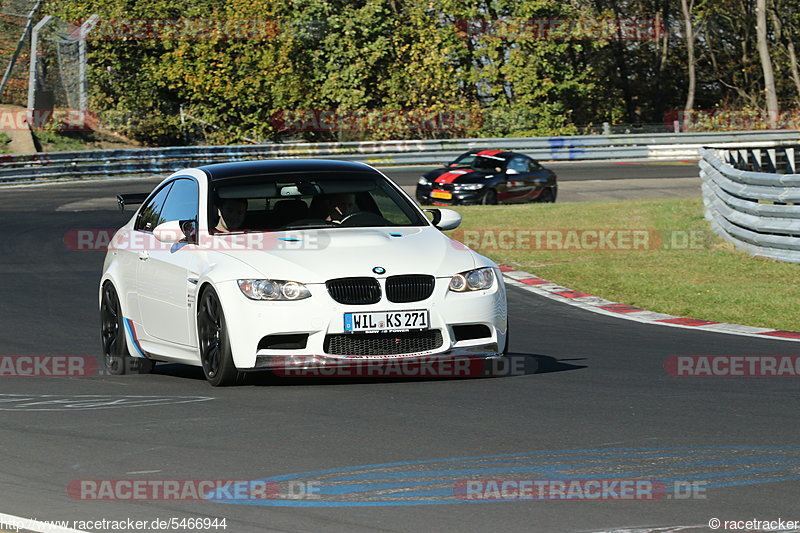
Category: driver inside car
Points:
column 339, row 206
column 231, row 214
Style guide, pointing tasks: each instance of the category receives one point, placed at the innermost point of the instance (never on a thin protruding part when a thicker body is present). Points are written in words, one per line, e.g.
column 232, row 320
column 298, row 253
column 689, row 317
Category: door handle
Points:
column 143, row 255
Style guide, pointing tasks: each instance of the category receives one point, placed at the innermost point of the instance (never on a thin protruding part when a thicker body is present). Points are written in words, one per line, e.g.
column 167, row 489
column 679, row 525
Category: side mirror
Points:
column 444, row 219
column 511, row 172
column 448, row 164
column 175, row 231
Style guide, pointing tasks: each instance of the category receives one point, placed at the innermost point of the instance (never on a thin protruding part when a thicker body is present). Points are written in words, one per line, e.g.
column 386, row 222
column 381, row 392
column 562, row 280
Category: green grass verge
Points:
column 4, row 140
column 53, row 141
column 683, row 270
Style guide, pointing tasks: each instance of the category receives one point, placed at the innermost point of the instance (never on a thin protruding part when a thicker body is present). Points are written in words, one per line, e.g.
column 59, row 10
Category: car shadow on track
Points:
column 513, row 365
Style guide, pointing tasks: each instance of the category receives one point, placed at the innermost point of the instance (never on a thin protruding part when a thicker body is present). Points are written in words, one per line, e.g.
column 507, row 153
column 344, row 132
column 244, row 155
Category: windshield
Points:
column 485, row 164
column 308, row 200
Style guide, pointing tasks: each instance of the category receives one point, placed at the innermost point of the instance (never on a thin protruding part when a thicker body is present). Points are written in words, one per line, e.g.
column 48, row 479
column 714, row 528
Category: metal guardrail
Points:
column 752, row 198
column 82, row 164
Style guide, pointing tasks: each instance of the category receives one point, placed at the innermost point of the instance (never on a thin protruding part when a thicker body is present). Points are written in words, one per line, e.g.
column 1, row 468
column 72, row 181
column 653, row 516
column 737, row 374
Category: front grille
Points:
column 383, row 343
column 412, row 288
column 354, row 291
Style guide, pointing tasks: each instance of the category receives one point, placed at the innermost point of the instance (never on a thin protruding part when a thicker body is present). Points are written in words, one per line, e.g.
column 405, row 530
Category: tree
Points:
column 766, row 63
column 686, row 8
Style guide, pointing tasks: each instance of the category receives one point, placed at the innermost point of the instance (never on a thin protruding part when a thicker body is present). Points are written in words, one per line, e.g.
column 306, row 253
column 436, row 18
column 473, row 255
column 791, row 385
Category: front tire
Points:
column 215, row 347
column 548, row 196
column 489, row 197
column 116, row 357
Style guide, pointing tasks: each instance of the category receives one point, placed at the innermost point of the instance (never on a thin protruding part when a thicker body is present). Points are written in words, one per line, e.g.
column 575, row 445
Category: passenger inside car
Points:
column 232, row 212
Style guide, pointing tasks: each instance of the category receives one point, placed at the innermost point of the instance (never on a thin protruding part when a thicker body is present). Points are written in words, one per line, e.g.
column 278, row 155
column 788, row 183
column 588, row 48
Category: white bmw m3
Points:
column 240, row 267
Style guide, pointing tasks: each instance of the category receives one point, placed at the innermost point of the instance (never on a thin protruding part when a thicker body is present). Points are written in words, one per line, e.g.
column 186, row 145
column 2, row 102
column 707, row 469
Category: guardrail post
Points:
column 772, row 159
column 741, row 159
column 727, row 156
column 755, row 159
column 791, row 161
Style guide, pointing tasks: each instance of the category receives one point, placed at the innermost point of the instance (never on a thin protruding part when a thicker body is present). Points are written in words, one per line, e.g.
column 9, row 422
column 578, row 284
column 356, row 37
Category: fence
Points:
column 752, row 198
column 74, row 165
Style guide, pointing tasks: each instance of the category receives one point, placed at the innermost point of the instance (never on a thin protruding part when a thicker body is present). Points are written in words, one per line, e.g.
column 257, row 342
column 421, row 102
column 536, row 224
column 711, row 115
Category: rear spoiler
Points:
column 135, row 198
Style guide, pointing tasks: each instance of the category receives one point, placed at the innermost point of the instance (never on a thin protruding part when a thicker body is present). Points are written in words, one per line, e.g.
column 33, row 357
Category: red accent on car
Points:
column 450, row 177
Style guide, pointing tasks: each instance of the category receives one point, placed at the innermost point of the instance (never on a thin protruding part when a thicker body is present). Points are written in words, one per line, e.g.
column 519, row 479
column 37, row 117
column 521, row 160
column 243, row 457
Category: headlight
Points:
column 479, row 279
column 468, row 186
column 423, row 181
column 273, row 289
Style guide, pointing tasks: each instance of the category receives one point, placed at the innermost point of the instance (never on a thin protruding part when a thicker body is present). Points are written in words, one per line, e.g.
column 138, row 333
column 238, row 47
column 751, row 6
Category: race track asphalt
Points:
column 599, row 405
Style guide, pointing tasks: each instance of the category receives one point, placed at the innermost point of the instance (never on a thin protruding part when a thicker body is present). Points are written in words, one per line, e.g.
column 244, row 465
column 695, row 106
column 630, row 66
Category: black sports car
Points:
column 488, row 177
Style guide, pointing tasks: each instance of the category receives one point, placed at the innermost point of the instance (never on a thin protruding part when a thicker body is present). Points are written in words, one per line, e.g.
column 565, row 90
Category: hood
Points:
column 315, row 256
column 460, row 175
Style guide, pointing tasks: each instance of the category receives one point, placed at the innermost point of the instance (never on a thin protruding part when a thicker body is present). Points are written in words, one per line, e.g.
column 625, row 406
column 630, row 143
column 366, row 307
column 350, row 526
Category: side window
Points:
column 519, row 164
column 149, row 215
column 464, row 160
column 181, row 203
column 534, row 165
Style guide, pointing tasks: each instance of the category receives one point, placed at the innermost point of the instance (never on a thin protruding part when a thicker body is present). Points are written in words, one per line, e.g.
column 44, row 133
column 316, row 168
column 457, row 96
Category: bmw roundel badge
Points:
column 379, row 270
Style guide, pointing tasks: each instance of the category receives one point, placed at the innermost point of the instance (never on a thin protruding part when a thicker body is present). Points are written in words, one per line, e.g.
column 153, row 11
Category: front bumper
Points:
column 319, row 316
column 424, row 196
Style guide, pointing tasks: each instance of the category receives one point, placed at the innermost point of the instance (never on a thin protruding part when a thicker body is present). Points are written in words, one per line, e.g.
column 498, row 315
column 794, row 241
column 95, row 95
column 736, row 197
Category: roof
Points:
column 493, row 153
column 222, row 171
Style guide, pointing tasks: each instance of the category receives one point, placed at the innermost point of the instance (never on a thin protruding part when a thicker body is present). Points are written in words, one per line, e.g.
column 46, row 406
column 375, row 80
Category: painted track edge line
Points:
column 37, row 526
column 592, row 303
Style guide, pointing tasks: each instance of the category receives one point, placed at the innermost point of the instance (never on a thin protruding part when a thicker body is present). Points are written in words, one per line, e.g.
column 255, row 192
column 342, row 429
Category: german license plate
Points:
column 443, row 195
column 380, row 321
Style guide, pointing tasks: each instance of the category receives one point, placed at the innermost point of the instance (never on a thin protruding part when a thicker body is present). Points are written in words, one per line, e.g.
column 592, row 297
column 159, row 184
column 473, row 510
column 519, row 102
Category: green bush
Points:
column 4, row 140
